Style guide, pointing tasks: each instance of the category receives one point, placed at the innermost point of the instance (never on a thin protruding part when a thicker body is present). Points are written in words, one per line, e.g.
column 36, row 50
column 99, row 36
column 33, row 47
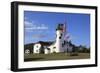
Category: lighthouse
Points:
column 53, row 47
column 59, row 38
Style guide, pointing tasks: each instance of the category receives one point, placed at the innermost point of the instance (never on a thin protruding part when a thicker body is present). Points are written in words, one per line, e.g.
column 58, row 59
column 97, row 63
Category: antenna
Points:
column 66, row 36
column 65, row 24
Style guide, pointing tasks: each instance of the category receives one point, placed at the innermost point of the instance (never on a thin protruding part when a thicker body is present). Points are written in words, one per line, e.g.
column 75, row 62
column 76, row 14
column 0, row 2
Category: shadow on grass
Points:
column 32, row 59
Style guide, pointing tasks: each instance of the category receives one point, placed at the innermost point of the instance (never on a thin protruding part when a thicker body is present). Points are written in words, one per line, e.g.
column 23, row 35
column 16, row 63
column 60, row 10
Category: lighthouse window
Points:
column 59, row 37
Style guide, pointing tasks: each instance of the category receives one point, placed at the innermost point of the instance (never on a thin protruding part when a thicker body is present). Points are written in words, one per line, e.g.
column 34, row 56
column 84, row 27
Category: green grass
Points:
column 55, row 56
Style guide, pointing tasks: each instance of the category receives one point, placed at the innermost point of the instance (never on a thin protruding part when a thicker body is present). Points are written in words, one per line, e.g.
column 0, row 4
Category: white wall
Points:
column 36, row 48
column 5, row 36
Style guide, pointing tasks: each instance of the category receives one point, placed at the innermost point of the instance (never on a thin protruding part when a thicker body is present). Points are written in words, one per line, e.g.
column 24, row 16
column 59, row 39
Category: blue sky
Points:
column 41, row 26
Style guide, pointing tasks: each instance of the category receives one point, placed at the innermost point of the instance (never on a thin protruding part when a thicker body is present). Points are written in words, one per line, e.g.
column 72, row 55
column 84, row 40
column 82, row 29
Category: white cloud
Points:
column 28, row 24
column 31, row 25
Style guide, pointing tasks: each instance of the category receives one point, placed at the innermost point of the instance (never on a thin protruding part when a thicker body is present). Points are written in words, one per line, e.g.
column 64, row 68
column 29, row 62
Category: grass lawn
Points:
column 55, row 56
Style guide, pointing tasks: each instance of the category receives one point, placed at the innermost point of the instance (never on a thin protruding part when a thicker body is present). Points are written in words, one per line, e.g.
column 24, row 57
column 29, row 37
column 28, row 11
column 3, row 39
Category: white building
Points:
column 59, row 45
column 54, row 47
column 36, row 48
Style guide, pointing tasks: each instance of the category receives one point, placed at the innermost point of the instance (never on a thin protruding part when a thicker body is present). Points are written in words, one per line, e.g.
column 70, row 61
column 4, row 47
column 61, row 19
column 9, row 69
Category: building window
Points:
column 37, row 46
column 37, row 51
column 54, row 47
column 48, row 48
column 62, row 44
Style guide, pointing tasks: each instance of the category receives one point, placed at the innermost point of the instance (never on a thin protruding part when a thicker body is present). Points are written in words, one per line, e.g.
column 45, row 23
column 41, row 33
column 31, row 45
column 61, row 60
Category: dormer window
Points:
column 37, row 46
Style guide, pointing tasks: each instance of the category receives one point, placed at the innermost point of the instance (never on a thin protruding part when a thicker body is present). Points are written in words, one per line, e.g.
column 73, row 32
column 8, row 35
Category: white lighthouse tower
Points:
column 58, row 45
column 59, row 38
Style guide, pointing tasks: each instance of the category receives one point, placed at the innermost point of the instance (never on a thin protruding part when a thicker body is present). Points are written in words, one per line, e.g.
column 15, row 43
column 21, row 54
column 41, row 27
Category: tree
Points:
column 84, row 49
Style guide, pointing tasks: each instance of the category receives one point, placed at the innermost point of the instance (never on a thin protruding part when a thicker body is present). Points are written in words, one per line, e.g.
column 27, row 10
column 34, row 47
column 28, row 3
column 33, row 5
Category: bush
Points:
column 74, row 54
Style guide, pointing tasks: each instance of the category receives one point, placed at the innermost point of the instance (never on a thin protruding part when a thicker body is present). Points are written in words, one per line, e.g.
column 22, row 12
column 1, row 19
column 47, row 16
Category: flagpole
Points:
column 65, row 28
